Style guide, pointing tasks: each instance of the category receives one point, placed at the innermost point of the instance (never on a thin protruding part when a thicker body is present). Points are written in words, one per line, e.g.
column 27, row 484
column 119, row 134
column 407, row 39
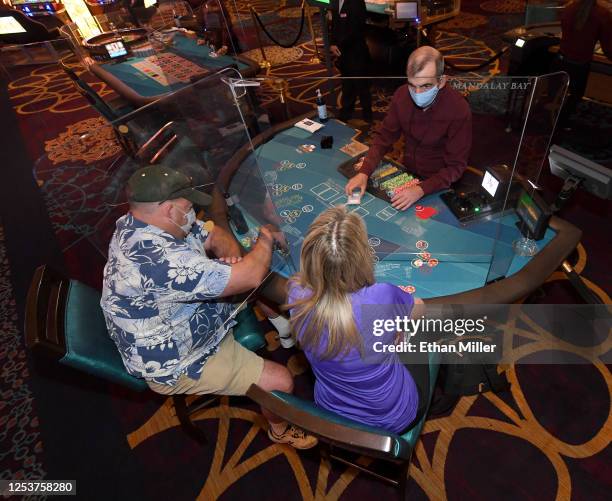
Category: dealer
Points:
column 436, row 123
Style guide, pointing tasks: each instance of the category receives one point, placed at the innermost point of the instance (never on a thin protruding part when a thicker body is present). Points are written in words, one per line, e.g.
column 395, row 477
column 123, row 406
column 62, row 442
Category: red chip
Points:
column 432, row 262
column 419, row 208
column 425, row 255
column 410, row 289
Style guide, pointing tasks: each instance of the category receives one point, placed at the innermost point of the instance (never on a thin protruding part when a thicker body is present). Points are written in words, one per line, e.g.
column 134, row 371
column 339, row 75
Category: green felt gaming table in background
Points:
column 466, row 257
column 139, row 89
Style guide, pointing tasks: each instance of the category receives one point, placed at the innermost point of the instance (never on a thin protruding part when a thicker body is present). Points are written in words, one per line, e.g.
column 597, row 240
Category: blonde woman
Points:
column 333, row 302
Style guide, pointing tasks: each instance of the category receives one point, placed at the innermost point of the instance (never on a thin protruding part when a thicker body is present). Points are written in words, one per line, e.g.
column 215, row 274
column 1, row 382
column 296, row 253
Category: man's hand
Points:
column 273, row 234
column 230, row 260
column 335, row 50
column 221, row 243
column 404, row 199
column 359, row 181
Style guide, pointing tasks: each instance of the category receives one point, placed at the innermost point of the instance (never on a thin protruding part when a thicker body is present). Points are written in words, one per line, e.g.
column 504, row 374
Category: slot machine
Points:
column 97, row 7
column 49, row 12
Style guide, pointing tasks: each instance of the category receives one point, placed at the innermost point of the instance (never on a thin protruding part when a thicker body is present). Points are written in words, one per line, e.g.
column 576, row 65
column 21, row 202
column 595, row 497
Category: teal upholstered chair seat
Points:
column 64, row 321
column 340, row 432
column 247, row 331
column 89, row 348
column 397, row 446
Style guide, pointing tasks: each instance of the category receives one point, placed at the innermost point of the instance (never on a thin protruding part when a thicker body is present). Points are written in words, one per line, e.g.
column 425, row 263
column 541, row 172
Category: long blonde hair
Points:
column 335, row 261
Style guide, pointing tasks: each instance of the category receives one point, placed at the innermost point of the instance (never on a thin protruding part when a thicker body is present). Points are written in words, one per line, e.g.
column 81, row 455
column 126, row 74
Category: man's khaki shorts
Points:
column 230, row 371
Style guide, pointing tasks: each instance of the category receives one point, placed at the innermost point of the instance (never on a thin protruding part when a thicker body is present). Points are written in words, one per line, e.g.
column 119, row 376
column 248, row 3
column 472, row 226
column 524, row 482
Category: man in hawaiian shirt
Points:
column 163, row 297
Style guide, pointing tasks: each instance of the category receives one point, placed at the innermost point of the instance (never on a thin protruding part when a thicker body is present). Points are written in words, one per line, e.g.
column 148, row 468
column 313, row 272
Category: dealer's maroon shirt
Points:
column 437, row 139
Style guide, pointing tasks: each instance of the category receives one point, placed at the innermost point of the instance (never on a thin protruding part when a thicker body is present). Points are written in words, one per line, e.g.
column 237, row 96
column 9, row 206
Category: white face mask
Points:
column 189, row 216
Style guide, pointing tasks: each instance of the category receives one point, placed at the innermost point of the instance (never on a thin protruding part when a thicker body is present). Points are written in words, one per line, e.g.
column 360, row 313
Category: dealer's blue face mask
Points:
column 424, row 99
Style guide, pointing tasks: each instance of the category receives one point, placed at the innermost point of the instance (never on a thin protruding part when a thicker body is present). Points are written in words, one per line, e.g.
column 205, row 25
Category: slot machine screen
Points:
column 10, row 25
column 116, row 49
column 490, row 183
column 405, row 11
column 533, row 213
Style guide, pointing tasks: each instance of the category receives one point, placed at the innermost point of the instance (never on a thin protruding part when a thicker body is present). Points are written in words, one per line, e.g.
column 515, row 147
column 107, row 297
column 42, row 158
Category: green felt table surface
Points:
column 302, row 185
column 184, row 47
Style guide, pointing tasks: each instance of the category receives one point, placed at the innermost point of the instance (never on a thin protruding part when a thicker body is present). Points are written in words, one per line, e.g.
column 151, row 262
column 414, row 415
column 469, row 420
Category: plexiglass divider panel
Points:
column 540, row 103
column 216, row 130
column 196, row 130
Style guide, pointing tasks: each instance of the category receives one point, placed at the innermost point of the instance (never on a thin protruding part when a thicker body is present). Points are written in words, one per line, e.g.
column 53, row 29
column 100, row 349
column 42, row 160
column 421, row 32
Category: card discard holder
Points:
column 354, row 148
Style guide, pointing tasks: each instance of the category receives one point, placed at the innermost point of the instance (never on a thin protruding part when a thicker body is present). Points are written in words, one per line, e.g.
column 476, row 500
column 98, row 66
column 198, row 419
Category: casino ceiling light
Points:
column 79, row 13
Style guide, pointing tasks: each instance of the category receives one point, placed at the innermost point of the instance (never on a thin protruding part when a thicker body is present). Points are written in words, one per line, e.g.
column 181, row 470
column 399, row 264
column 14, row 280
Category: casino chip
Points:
column 432, row 262
column 417, row 263
column 410, row 289
column 422, row 244
column 425, row 255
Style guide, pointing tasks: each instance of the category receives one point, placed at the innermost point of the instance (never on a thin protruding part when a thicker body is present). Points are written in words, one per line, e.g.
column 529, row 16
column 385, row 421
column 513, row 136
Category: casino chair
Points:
column 64, row 322
column 112, row 110
column 337, row 432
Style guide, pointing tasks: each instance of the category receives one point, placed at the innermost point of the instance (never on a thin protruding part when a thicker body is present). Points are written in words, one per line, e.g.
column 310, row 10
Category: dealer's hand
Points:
column 404, row 199
column 335, row 50
column 359, row 181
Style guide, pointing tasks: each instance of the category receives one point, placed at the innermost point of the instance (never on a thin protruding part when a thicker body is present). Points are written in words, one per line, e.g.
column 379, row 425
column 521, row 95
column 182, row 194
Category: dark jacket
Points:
column 348, row 26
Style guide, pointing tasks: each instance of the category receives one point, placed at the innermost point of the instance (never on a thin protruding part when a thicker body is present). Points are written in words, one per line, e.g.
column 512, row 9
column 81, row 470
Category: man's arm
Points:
column 251, row 271
column 388, row 132
column 456, row 152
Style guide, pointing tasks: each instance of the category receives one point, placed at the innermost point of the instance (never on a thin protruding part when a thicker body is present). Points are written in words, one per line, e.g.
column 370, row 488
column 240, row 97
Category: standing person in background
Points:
column 348, row 43
column 583, row 24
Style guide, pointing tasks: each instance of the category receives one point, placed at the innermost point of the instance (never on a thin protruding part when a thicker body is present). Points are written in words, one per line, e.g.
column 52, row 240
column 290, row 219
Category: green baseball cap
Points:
column 158, row 183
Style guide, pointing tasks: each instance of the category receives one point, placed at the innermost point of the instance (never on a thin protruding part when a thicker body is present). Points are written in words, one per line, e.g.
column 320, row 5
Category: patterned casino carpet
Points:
column 548, row 438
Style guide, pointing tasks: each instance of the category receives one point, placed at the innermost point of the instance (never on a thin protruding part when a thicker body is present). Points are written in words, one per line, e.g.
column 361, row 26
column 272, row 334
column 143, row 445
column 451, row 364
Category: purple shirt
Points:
column 377, row 389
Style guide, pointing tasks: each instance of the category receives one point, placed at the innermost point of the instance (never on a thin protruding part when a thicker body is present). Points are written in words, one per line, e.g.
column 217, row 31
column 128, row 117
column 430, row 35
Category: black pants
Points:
column 579, row 75
column 354, row 62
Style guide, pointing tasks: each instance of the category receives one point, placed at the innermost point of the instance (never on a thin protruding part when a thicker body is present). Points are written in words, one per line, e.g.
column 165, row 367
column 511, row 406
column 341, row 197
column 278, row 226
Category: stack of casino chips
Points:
column 391, row 180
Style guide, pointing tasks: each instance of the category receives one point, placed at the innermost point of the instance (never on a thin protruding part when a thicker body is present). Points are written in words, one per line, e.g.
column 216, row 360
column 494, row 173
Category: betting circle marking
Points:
column 307, row 208
column 300, row 165
column 422, row 245
column 297, row 186
column 374, row 241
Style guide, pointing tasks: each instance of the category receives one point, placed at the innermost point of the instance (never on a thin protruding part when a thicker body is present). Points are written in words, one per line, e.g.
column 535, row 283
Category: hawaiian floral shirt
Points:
column 161, row 300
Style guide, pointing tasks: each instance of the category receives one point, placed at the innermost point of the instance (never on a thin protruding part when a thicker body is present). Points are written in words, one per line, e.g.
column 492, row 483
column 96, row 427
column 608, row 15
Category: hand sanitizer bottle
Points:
column 321, row 107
